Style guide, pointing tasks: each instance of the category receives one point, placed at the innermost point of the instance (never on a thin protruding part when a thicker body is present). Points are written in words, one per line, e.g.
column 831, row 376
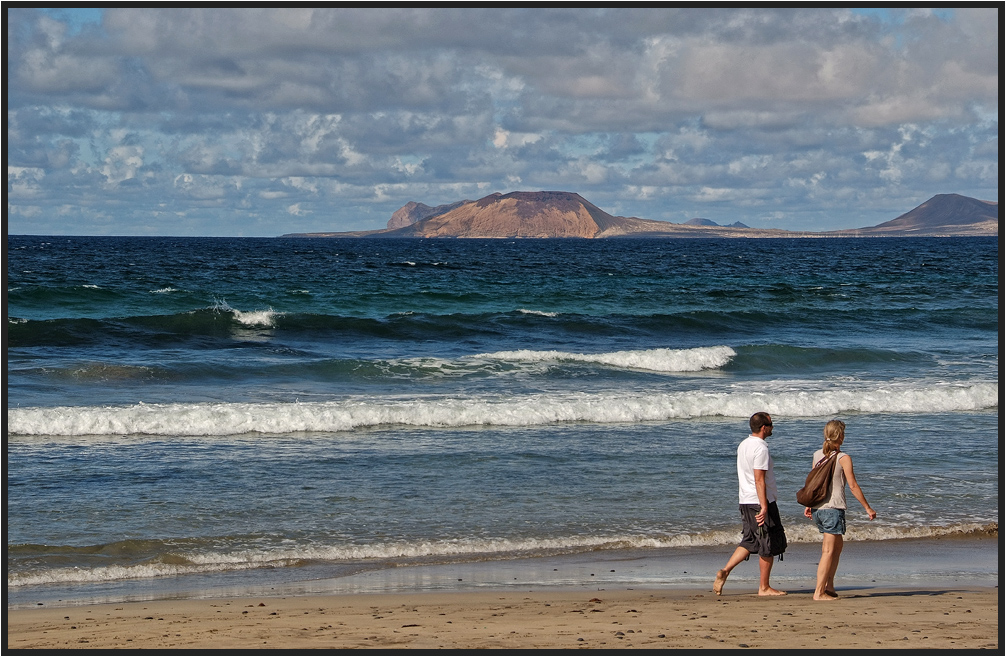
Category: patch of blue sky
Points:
column 896, row 15
column 892, row 19
column 77, row 18
column 97, row 147
column 409, row 164
column 606, row 144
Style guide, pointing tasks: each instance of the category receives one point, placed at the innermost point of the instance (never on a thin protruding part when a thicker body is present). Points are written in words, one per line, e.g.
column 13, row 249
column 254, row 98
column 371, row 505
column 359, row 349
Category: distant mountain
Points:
column 567, row 214
column 412, row 212
column 699, row 221
column 517, row 214
column 942, row 215
column 538, row 215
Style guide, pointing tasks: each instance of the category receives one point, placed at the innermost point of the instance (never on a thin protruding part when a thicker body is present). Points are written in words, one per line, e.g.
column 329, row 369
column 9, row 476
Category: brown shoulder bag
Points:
column 817, row 488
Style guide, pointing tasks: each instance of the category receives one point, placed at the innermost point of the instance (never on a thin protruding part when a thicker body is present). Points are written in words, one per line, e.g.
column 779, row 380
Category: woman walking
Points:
column 830, row 515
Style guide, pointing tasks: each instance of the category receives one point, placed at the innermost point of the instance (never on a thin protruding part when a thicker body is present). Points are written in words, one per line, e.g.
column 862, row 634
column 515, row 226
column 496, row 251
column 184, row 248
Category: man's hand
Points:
column 762, row 515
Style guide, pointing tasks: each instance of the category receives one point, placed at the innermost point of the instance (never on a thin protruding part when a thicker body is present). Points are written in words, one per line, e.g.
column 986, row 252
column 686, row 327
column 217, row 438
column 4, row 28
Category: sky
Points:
column 265, row 121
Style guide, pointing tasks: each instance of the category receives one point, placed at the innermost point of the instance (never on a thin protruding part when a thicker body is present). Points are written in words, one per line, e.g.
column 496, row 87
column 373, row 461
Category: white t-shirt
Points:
column 752, row 454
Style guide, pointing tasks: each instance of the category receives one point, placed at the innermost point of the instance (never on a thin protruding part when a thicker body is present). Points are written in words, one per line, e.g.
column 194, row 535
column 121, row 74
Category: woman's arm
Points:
column 850, row 477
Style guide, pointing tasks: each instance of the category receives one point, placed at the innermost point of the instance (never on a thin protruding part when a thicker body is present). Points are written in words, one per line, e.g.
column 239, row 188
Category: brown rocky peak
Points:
column 945, row 212
column 518, row 214
column 412, row 212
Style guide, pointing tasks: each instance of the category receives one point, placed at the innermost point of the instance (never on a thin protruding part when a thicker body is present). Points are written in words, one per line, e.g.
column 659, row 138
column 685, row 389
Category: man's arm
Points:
column 759, row 476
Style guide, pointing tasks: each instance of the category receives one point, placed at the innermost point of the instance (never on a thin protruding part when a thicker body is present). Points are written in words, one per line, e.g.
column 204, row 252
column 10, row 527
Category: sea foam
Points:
column 792, row 399
column 263, row 318
column 256, row 317
column 656, row 360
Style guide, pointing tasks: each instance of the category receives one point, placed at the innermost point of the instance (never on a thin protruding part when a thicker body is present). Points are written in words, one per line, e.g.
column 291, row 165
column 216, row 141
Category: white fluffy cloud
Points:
column 272, row 120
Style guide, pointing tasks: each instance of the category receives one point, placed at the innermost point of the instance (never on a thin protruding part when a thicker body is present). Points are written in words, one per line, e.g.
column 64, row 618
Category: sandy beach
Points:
column 913, row 619
column 893, row 594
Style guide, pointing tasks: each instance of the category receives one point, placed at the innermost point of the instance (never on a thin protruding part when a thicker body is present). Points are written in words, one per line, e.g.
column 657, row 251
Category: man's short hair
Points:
column 759, row 420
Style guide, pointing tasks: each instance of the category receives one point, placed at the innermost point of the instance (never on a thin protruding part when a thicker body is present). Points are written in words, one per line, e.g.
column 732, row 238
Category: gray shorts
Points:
column 766, row 540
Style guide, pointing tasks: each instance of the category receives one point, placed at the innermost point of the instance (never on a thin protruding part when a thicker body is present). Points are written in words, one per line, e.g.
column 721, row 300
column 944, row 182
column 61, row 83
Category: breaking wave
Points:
column 657, row 360
column 792, row 399
column 262, row 318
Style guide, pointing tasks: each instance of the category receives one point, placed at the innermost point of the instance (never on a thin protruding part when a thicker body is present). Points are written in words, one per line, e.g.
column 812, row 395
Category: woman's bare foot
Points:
column 770, row 591
column 832, row 594
column 721, row 578
column 825, row 596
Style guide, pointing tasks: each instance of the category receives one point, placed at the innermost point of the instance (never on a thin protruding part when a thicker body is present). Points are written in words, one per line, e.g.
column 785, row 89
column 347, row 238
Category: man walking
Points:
column 763, row 533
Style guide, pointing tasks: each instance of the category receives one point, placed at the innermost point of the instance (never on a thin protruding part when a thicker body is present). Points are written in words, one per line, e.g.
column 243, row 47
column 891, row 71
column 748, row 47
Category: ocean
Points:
column 216, row 414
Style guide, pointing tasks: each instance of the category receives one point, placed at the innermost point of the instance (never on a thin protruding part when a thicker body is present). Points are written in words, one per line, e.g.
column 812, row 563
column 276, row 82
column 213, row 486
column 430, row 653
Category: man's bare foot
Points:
column 770, row 591
column 826, row 596
column 832, row 594
column 721, row 578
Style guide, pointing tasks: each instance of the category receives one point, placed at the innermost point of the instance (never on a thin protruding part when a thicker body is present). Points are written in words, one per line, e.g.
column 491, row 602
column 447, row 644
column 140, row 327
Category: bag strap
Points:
column 824, row 459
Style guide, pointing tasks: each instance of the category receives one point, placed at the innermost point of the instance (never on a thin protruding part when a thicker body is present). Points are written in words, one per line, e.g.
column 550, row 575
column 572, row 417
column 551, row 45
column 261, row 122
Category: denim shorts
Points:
column 829, row 521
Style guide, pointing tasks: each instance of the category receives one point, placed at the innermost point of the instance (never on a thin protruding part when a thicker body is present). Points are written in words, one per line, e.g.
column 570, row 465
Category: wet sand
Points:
column 935, row 594
column 878, row 618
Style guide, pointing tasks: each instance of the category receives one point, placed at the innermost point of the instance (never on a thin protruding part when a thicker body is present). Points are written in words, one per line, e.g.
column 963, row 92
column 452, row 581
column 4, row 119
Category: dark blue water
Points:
column 183, row 406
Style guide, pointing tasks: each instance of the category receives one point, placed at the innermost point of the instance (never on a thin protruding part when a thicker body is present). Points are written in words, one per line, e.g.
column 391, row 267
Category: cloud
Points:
column 297, row 211
column 25, row 182
column 122, row 163
column 645, row 111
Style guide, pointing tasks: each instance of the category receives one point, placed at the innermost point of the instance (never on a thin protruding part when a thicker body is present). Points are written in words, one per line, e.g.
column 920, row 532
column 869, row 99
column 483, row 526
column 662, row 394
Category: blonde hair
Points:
column 834, row 434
